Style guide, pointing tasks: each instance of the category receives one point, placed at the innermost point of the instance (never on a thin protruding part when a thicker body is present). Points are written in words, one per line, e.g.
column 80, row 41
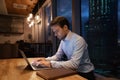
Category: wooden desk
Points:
column 14, row 69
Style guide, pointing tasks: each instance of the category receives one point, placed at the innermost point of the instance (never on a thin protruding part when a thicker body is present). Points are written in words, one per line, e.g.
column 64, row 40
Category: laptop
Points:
column 31, row 66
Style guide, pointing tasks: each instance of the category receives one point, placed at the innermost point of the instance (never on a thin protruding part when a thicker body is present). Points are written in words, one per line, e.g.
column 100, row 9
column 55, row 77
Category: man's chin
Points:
column 59, row 38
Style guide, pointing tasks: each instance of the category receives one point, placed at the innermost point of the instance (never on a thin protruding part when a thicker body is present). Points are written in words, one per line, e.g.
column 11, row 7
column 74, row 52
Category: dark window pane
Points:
column 119, row 21
column 64, row 8
column 84, row 15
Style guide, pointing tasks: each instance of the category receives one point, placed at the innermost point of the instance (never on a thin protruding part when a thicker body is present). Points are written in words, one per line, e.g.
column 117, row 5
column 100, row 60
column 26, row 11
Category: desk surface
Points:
column 14, row 69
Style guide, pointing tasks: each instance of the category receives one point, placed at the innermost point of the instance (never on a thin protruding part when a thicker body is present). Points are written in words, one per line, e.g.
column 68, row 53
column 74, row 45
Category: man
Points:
column 71, row 45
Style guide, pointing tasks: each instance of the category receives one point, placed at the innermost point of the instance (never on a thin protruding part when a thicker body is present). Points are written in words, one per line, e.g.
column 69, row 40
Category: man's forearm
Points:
column 71, row 64
column 53, row 58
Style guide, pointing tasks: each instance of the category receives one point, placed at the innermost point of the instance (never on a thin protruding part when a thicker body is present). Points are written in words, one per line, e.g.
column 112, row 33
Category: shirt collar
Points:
column 68, row 36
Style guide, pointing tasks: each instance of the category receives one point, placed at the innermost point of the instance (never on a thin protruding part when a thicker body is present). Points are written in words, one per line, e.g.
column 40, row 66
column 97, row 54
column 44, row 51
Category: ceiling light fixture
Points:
column 31, row 20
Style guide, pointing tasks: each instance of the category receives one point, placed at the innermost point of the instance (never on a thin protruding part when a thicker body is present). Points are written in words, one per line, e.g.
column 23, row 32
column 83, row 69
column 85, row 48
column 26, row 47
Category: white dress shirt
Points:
column 75, row 48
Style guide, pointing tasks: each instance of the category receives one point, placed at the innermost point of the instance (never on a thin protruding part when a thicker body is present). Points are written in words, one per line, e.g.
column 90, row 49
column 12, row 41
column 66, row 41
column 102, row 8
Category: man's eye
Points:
column 56, row 31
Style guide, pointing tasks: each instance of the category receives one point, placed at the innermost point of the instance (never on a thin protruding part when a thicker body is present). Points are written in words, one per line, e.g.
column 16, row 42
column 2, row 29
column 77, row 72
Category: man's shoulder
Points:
column 76, row 36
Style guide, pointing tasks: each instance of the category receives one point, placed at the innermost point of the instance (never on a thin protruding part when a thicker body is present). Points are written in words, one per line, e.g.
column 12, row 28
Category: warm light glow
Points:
column 48, row 23
column 37, row 17
column 31, row 23
column 30, row 15
column 31, row 20
column 28, row 19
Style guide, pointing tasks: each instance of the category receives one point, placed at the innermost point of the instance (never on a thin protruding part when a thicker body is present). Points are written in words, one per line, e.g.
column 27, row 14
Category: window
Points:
column 119, row 21
column 84, row 15
column 64, row 8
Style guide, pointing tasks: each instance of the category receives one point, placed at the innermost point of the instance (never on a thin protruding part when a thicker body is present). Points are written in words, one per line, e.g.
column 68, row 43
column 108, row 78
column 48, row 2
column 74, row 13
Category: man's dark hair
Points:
column 61, row 21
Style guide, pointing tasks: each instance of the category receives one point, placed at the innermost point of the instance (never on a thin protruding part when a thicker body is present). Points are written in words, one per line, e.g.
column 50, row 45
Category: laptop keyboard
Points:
column 39, row 66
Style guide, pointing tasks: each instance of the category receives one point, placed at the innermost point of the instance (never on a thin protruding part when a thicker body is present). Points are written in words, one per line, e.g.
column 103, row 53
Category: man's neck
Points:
column 66, row 34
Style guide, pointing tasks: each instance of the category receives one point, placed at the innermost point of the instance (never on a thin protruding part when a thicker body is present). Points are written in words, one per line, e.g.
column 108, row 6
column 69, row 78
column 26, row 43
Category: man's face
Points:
column 59, row 32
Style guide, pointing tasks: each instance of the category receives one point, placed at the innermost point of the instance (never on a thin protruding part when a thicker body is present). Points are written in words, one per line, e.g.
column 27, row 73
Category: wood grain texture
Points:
column 14, row 69
column 29, row 3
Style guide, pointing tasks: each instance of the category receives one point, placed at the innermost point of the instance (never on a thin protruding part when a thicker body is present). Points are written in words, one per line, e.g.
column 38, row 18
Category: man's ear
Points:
column 65, row 27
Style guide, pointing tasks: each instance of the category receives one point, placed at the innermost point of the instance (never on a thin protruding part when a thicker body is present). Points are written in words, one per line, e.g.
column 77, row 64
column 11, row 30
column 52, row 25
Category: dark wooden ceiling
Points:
column 22, row 7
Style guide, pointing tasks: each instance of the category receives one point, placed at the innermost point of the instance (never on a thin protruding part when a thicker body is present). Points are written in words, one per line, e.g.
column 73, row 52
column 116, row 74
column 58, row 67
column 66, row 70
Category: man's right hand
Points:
column 36, row 62
column 41, row 59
